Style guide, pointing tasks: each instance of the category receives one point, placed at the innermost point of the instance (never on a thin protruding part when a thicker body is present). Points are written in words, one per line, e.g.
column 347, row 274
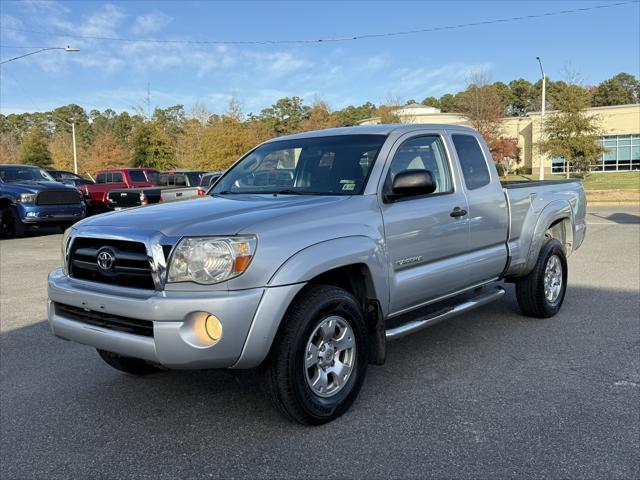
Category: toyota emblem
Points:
column 106, row 259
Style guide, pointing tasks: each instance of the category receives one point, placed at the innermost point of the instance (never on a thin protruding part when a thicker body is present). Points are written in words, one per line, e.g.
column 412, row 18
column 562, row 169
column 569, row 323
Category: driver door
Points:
column 425, row 243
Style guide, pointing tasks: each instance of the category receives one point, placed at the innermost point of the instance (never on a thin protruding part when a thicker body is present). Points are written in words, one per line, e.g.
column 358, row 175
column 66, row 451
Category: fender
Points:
column 556, row 210
column 324, row 256
column 295, row 272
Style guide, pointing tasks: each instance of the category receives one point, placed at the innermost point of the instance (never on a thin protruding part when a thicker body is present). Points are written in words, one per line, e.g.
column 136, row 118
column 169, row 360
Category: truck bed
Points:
column 536, row 203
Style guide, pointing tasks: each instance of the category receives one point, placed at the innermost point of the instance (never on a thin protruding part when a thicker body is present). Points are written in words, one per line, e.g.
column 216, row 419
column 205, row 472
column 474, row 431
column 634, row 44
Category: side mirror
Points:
column 412, row 183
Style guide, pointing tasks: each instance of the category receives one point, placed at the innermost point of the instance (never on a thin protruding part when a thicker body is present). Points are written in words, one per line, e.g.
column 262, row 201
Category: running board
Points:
column 468, row 305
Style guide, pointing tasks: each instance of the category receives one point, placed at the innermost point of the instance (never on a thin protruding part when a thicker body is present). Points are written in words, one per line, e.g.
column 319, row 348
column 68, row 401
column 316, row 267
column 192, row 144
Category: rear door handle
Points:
column 458, row 212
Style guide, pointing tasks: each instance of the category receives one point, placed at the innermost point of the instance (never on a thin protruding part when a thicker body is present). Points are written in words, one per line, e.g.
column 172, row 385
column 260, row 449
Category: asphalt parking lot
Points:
column 488, row 395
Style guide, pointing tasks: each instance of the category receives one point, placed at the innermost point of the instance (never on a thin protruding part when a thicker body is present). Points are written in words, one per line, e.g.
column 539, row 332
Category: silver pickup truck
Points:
column 309, row 254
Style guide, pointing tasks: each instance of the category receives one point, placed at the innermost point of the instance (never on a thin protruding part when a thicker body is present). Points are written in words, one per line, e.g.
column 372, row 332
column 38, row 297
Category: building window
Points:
column 622, row 154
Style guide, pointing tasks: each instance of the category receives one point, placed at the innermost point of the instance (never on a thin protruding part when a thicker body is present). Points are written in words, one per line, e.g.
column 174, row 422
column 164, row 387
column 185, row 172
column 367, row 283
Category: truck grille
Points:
column 58, row 197
column 106, row 320
column 116, row 262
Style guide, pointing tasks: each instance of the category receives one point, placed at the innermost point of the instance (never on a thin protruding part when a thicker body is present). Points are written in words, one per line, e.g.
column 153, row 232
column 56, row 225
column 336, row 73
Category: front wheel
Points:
column 541, row 293
column 10, row 224
column 319, row 359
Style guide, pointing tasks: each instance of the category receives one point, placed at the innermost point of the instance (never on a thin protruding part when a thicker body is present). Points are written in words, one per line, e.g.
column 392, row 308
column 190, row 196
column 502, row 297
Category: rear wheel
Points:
column 319, row 359
column 11, row 226
column 541, row 293
column 133, row 366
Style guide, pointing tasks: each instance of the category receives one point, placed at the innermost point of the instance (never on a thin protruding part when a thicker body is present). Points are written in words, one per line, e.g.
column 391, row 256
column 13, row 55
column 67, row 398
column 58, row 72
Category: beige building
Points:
column 620, row 125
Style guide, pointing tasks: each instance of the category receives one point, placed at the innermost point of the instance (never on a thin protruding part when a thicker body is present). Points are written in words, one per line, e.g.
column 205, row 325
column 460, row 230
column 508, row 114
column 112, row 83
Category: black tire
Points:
column 530, row 290
column 133, row 366
column 283, row 373
column 11, row 225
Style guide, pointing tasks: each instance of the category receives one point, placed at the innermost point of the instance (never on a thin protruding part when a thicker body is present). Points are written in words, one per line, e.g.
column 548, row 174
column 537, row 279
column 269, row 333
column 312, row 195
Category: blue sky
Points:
column 112, row 74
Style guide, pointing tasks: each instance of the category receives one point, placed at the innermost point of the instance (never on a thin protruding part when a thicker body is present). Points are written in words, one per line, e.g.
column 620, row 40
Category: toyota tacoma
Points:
column 311, row 253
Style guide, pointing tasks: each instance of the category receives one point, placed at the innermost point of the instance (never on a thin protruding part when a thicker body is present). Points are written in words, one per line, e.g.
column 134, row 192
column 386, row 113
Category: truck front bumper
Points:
column 50, row 214
column 178, row 340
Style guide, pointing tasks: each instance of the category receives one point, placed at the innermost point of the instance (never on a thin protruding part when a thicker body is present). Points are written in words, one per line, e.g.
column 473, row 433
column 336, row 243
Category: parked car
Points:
column 69, row 178
column 209, row 179
column 172, row 186
column 380, row 232
column 31, row 198
column 116, row 179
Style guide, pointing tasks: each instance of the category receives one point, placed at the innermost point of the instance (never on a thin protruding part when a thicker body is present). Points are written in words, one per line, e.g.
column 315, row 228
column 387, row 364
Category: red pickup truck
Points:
column 116, row 178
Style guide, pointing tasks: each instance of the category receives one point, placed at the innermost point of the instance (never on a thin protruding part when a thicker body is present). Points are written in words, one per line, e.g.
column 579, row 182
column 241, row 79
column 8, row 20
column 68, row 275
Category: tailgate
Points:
column 124, row 198
column 173, row 194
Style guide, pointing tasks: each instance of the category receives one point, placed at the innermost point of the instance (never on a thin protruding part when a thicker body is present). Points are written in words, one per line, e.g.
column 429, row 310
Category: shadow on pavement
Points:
column 500, row 393
column 621, row 218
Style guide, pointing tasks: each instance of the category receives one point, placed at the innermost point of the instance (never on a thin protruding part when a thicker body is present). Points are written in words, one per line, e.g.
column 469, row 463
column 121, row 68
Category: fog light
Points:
column 213, row 328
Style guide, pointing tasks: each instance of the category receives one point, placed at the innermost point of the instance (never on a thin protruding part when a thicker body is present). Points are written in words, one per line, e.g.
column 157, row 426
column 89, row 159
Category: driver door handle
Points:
column 458, row 212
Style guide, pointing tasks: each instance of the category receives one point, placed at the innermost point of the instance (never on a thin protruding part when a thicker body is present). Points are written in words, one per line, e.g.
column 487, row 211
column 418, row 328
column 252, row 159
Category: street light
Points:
column 544, row 90
column 73, row 136
column 66, row 49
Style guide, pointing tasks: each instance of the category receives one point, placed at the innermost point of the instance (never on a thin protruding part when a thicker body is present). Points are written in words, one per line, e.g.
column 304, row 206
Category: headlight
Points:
column 27, row 198
column 209, row 260
column 66, row 236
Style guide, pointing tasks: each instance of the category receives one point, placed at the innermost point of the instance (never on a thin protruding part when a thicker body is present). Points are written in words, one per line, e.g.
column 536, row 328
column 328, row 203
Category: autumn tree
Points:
column 34, row 150
column 571, row 133
column 151, row 147
column 319, row 117
column 505, row 153
column 482, row 105
column 61, row 149
column 104, row 152
column 9, row 145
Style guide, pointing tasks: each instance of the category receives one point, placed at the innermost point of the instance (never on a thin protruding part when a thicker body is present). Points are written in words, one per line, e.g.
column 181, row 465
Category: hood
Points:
column 209, row 215
column 36, row 186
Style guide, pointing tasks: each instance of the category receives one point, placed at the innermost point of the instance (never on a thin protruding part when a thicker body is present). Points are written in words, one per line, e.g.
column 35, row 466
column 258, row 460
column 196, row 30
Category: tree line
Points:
column 197, row 139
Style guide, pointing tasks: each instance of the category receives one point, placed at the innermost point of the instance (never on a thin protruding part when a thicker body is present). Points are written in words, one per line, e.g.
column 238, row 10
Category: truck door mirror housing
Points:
column 411, row 183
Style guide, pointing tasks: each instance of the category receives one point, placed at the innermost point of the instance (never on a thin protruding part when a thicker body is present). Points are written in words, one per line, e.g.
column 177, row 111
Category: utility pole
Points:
column 544, row 101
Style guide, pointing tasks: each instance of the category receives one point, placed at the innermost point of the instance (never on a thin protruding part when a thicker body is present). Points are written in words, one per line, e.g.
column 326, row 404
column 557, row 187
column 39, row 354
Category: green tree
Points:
column 571, row 133
column 286, row 115
column 448, row 103
column 151, row 147
column 352, row 115
column 522, row 97
column 34, row 150
column 431, row 102
column 619, row 90
column 62, row 117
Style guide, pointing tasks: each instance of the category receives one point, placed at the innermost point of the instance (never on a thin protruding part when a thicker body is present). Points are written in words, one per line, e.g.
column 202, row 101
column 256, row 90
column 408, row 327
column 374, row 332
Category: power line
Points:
column 329, row 39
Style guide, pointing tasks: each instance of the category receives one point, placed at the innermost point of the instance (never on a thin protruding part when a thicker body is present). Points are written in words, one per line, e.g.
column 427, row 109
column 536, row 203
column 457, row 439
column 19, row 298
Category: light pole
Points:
column 73, row 137
column 66, row 49
column 544, row 91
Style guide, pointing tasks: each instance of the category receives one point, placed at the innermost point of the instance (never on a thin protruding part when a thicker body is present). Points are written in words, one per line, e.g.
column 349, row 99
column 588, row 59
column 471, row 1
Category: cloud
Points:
column 7, row 24
column 151, row 22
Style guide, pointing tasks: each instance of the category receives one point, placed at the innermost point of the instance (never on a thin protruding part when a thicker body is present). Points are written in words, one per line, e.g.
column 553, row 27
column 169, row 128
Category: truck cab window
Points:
column 117, row 177
column 137, row 176
column 472, row 162
column 422, row 153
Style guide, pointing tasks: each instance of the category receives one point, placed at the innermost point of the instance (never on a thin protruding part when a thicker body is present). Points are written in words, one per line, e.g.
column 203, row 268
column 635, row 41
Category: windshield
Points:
column 24, row 174
column 336, row 165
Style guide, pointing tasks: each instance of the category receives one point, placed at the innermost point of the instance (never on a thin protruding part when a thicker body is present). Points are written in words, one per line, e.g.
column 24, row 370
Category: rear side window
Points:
column 137, row 176
column 117, row 177
column 101, row 178
column 474, row 166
